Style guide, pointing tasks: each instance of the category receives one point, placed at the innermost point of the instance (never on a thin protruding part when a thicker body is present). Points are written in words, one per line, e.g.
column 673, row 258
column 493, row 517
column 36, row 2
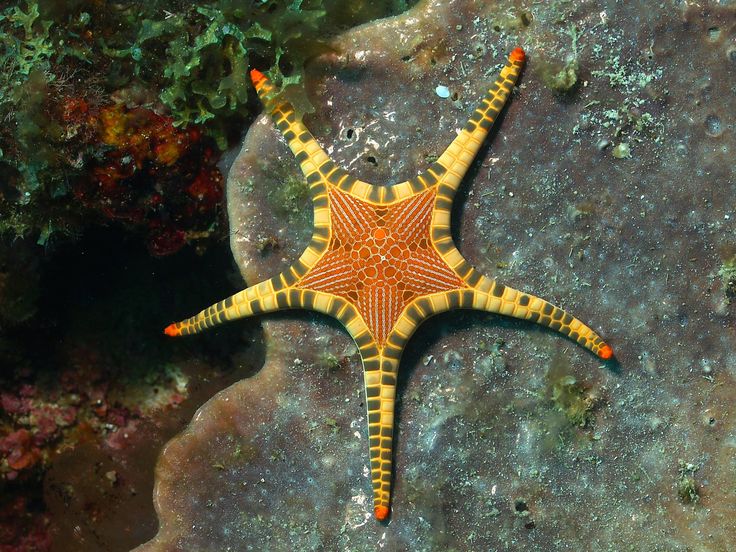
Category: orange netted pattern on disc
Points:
column 380, row 258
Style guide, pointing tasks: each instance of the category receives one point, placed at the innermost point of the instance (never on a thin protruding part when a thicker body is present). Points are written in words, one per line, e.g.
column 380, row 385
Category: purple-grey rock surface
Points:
column 608, row 188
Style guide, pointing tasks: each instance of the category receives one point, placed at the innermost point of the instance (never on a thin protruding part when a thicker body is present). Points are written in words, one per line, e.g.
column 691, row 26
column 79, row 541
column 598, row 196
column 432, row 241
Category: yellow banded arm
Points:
column 492, row 296
column 314, row 162
column 379, row 375
column 451, row 166
column 253, row 300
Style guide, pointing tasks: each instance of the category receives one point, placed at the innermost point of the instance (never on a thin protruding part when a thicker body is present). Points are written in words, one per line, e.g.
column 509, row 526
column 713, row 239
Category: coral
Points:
column 18, row 452
column 64, row 64
column 20, row 532
column 155, row 177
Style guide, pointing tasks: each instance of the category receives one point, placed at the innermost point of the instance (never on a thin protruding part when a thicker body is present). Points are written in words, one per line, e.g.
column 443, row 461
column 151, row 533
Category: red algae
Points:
column 153, row 177
column 19, row 451
column 20, row 532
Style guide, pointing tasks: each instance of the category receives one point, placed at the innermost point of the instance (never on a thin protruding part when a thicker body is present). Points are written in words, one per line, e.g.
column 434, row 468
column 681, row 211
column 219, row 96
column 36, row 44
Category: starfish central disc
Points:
column 381, row 258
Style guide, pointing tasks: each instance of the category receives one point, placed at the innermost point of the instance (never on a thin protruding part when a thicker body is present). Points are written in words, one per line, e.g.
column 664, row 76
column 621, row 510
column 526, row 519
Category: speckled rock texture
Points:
column 608, row 187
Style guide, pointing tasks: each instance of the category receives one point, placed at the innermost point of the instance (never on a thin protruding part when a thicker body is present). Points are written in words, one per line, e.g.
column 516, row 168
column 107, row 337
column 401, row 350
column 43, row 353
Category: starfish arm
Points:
column 451, row 166
column 277, row 293
column 380, row 367
column 492, row 296
column 314, row 162
column 267, row 296
column 379, row 375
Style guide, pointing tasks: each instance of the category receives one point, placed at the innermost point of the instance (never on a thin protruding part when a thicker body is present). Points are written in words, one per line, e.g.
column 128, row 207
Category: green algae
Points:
column 189, row 62
column 634, row 85
column 203, row 72
column 621, row 151
column 329, row 361
column 621, row 75
column 291, row 196
column 568, row 396
column 25, row 56
column 34, row 168
column 207, row 50
column 562, row 77
column 727, row 272
column 688, row 489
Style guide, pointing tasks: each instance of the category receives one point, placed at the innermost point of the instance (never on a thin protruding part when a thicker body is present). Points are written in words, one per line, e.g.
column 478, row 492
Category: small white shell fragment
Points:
column 442, row 91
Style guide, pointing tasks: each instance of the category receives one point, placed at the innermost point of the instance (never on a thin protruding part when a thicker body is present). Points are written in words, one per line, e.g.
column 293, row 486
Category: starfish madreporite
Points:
column 381, row 260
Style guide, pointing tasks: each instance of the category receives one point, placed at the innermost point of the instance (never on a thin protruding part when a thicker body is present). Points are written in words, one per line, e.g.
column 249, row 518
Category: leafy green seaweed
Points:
column 188, row 60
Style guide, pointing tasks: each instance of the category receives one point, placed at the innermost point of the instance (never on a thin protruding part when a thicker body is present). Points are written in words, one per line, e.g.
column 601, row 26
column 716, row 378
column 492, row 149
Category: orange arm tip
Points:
column 256, row 76
column 517, row 55
column 171, row 330
column 381, row 512
column 605, row 352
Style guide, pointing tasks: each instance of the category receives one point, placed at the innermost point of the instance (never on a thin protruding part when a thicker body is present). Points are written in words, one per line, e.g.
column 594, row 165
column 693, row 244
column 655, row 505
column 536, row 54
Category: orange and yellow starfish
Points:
column 381, row 260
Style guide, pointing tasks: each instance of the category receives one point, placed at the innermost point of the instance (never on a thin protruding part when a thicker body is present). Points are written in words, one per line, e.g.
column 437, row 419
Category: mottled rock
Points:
column 508, row 436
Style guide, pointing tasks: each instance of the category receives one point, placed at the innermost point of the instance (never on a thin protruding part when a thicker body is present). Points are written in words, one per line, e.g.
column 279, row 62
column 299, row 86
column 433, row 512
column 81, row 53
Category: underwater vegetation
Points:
column 568, row 395
column 727, row 273
column 86, row 88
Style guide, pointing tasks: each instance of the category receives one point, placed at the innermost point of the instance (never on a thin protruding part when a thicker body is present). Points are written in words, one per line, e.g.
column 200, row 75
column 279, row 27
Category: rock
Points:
column 488, row 456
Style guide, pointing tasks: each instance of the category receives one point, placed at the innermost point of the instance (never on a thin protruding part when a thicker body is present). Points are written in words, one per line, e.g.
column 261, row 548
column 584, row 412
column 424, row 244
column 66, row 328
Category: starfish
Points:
column 382, row 260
